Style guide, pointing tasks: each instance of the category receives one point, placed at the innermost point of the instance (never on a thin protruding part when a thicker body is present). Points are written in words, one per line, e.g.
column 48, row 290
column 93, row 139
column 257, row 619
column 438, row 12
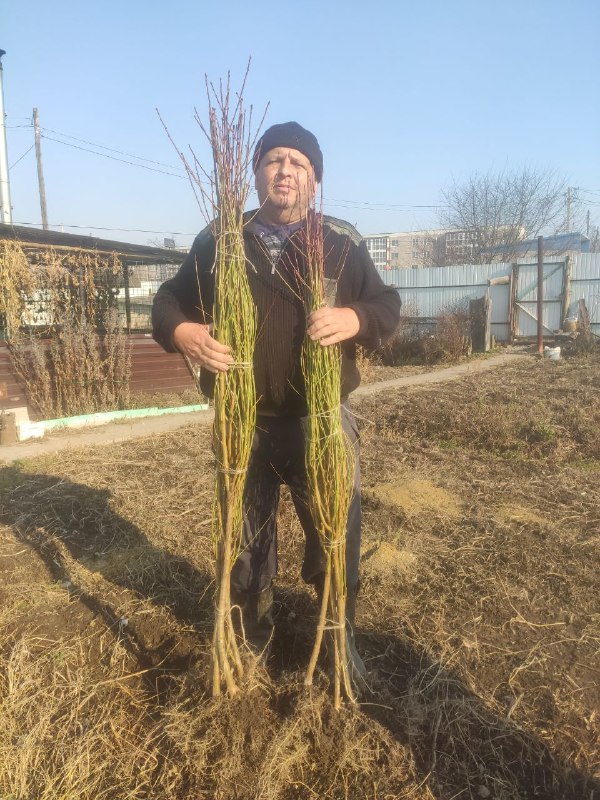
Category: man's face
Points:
column 285, row 183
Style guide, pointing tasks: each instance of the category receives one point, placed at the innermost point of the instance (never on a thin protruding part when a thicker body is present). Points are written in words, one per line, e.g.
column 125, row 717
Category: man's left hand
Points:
column 332, row 325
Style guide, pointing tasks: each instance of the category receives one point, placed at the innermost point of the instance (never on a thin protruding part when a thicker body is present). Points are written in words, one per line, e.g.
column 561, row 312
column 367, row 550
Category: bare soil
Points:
column 478, row 616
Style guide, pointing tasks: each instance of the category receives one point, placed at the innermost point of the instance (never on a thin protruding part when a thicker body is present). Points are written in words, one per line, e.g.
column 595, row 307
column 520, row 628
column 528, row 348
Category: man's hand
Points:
column 195, row 342
column 332, row 325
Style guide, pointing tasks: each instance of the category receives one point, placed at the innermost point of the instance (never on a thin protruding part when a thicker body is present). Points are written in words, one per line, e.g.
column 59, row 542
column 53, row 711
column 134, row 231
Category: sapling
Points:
column 329, row 465
column 223, row 192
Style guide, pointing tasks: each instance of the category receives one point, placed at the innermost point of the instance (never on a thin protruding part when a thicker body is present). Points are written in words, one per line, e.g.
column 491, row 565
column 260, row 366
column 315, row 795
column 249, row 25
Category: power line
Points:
column 22, row 157
column 360, row 203
column 380, row 206
column 97, row 228
column 352, row 205
column 396, row 209
column 365, row 205
column 101, row 146
column 114, row 158
column 113, row 150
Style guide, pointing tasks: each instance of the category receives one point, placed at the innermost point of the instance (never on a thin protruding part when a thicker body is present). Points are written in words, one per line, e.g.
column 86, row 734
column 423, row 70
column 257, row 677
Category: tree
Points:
column 503, row 208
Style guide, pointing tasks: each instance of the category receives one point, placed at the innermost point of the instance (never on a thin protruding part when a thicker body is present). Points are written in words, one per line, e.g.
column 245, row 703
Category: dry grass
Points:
column 478, row 615
column 187, row 397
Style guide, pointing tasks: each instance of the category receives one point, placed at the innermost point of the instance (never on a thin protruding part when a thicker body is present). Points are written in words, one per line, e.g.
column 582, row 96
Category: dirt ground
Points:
column 478, row 616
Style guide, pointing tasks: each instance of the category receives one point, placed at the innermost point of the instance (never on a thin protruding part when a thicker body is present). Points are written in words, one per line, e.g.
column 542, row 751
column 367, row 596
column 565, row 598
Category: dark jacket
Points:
column 281, row 317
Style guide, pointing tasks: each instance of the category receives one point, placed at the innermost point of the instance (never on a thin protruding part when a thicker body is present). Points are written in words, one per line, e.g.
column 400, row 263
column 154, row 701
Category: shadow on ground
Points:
column 457, row 745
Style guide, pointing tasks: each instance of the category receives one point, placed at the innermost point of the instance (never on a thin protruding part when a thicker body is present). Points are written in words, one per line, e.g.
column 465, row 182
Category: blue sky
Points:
column 404, row 97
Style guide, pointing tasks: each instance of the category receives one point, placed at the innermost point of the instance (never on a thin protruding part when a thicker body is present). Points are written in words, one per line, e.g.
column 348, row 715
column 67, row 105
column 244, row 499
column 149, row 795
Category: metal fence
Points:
column 139, row 285
column 429, row 292
column 585, row 283
column 152, row 370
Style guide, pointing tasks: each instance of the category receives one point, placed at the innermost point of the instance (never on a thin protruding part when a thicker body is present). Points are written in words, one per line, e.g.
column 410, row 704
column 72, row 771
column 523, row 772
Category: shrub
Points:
column 451, row 339
column 63, row 332
column 448, row 339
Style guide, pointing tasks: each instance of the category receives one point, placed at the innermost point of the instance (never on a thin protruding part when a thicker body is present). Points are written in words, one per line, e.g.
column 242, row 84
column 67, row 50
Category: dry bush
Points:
column 365, row 361
column 405, row 343
column 417, row 342
column 30, row 361
column 586, row 342
column 64, row 336
column 17, row 283
column 451, row 339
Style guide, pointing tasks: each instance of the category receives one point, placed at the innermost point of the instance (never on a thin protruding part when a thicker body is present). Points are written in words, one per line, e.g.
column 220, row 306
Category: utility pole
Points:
column 570, row 196
column 587, row 224
column 38, row 155
column 5, row 209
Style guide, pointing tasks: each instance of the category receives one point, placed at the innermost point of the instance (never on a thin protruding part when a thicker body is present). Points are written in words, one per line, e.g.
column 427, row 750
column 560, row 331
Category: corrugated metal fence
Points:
column 152, row 370
column 585, row 282
column 429, row 292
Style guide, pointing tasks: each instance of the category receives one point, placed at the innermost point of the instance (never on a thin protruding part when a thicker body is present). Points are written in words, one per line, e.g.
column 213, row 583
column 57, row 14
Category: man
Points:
column 288, row 166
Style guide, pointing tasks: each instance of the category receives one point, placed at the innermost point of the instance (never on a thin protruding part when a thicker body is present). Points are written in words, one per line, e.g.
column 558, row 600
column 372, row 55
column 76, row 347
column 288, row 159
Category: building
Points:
column 440, row 247
column 407, row 250
column 553, row 245
column 459, row 246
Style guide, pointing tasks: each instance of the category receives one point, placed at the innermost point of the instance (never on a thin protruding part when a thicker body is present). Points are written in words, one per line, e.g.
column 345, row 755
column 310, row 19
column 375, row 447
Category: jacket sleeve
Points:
column 376, row 305
column 188, row 296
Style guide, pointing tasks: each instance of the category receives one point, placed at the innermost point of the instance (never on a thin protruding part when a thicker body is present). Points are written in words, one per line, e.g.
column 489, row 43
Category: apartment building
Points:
column 433, row 248
column 407, row 250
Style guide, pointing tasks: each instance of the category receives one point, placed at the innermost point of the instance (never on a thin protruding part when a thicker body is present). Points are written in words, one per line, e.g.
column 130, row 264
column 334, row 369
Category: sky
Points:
column 405, row 97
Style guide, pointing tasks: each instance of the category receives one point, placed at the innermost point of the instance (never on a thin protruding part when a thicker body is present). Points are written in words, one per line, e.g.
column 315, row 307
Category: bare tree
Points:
column 488, row 210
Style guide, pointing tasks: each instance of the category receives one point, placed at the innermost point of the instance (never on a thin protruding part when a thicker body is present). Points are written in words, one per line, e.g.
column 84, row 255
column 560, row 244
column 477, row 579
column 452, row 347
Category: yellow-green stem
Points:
column 321, row 625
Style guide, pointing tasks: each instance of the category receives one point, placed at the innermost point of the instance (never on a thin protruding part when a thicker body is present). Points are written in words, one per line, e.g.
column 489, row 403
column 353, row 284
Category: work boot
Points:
column 356, row 666
column 257, row 619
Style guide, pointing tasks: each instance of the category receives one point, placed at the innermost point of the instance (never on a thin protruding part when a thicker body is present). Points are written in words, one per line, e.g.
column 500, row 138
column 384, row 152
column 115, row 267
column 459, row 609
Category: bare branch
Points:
column 503, row 209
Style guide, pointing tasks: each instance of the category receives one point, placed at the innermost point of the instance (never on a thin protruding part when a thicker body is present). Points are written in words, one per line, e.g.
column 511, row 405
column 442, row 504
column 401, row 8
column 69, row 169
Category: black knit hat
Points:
column 290, row 134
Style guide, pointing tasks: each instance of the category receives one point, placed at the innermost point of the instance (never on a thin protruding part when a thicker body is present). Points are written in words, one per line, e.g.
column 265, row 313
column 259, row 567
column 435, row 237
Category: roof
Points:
column 37, row 238
column 560, row 242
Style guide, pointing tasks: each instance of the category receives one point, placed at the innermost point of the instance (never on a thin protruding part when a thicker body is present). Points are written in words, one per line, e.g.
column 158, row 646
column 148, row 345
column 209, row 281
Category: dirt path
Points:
column 439, row 376
column 122, row 431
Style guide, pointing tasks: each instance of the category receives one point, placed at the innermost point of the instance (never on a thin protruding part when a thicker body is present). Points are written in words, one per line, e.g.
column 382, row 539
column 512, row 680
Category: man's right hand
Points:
column 195, row 342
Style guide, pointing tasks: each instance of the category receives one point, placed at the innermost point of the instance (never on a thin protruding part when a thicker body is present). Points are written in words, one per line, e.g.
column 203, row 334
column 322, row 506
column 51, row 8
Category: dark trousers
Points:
column 278, row 456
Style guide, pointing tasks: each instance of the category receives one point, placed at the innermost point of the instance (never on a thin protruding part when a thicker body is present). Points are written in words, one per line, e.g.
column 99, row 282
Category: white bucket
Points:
column 553, row 353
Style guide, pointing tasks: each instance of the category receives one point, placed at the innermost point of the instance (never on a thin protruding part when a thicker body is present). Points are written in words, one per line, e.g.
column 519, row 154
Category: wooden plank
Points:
column 480, row 321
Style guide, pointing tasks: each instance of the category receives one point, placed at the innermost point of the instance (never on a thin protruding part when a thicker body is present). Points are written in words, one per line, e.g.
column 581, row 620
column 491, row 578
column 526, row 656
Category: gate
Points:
column 525, row 298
